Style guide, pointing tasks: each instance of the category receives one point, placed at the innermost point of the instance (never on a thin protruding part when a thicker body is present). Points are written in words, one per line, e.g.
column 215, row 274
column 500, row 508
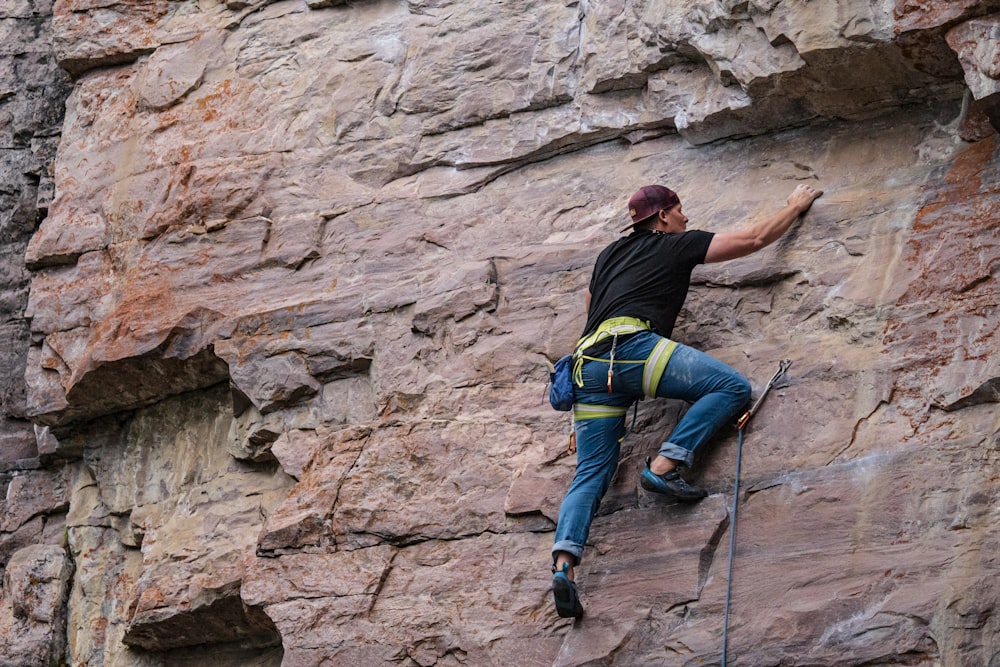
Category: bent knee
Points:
column 741, row 388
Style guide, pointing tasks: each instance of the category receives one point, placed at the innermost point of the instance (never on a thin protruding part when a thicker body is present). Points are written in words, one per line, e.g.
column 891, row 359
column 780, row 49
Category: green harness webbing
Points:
column 616, row 326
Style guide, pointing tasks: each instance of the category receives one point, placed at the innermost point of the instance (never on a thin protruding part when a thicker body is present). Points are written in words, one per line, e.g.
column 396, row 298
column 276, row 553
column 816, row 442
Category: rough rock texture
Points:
column 276, row 394
column 33, row 605
column 32, row 91
column 33, row 557
column 977, row 43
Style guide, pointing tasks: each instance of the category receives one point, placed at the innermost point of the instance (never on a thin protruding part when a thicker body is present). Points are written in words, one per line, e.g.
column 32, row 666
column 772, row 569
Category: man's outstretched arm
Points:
column 730, row 245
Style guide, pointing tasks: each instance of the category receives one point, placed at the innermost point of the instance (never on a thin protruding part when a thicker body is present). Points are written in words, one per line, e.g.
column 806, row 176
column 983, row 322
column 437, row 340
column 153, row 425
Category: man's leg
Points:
column 597, row 448
column 717, row 392
column 598, row 441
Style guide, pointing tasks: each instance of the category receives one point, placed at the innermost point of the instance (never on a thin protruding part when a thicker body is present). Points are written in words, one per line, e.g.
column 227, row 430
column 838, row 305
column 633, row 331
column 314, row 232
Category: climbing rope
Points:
column 732, row 545
column 740, row 424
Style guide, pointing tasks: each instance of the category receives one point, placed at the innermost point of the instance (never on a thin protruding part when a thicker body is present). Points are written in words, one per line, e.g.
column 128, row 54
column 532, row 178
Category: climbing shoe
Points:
column 671, row 484
column 564, row 591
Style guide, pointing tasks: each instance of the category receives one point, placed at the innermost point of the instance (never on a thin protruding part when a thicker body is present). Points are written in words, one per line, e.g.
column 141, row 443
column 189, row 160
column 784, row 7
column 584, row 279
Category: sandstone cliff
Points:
column 280, row 279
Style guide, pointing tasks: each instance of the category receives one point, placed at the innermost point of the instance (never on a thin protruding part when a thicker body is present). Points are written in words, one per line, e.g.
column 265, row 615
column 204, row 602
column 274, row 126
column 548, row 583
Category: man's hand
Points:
column 730, row 245
column 803, row 196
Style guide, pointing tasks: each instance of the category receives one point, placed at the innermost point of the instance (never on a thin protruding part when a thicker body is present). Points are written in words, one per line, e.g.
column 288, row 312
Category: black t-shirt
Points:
column 645, row 275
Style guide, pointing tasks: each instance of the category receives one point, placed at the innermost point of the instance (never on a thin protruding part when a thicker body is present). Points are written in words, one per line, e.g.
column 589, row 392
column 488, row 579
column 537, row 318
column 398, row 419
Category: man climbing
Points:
column 637, row 289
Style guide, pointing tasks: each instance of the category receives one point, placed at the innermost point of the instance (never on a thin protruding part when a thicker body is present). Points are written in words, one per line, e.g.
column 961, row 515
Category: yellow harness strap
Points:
column 590, row 411
column 616, row 326
column 656, row 363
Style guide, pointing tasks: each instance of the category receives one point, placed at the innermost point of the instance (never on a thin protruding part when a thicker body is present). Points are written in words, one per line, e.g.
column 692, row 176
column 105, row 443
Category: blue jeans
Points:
column 716, row 392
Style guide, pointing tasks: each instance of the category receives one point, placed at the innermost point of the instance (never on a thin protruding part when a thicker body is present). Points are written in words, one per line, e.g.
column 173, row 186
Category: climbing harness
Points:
column 654, row 364
column 740, row 424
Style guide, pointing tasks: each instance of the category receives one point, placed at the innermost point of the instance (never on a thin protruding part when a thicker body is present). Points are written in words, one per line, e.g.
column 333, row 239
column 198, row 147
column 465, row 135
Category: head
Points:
column 657, row 208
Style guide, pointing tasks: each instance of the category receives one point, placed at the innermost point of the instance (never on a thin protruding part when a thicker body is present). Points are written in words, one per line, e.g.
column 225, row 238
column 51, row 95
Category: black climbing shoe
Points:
column 671, row 484
column 564, row 591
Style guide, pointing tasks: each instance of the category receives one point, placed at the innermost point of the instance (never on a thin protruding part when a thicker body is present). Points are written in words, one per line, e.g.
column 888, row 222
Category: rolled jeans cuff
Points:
column 569, row 547
column 677, row 453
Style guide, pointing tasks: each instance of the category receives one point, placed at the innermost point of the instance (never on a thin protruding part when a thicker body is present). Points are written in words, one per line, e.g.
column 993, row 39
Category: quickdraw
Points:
column 611, row 362
column 782, row 367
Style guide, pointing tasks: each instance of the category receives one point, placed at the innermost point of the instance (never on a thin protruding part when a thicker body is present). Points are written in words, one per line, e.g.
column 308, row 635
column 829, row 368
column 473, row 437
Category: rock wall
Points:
column 275, row 396
column 36, row 565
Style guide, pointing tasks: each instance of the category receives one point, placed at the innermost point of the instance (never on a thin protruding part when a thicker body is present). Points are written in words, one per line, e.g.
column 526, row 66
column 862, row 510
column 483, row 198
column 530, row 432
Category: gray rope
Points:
column 740, row 424
column 732, row 546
